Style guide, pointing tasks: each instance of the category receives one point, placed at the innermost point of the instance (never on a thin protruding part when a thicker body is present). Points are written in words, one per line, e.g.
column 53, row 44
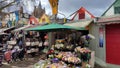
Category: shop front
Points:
column 110, row 28
column 112, row 43
column 71, row 48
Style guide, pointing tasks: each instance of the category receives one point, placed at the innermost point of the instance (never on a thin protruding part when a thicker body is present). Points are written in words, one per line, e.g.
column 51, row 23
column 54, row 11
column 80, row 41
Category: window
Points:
column 117, row 10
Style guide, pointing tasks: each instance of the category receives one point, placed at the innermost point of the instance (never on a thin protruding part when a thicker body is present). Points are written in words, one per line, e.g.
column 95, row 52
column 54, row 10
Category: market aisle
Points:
column 28, row 64
column 31, row 66
column 21, row 64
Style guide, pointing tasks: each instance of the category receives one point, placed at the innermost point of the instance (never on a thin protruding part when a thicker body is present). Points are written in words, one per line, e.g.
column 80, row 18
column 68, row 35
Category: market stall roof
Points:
column 80, row 23
column 106, row 20
column 7, row 29
column 53, row 26
column 3, row 34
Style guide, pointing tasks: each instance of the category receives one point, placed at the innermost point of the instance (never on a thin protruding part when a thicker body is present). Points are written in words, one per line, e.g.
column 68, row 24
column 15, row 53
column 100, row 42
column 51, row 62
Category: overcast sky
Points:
column 67, row 7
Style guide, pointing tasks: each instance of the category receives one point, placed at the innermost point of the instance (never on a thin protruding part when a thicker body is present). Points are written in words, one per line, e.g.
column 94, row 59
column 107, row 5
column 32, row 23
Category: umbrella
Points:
column 52, row 27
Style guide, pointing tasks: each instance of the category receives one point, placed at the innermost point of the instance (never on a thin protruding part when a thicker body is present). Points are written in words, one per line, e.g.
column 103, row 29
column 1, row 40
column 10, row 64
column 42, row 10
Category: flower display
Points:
column 82, row 50
column 68, row 57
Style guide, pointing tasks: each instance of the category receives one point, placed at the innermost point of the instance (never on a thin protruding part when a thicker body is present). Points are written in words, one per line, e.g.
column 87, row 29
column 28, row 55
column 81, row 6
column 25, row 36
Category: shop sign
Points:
column 101, row 36
column 109, row 19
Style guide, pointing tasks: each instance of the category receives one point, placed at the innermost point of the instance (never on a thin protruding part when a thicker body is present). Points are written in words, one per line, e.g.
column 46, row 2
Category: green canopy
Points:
column 53, row 26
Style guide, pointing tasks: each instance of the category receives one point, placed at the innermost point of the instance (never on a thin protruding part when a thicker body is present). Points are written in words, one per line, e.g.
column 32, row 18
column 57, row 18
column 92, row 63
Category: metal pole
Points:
column 64, row 17
column 51, row 34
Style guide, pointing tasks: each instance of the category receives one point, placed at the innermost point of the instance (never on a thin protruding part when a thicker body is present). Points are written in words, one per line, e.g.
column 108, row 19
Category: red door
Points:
column 113, row 44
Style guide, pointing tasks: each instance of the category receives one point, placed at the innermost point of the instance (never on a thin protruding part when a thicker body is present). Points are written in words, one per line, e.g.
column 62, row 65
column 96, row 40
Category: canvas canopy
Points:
column 53, row 26
column 79, row 24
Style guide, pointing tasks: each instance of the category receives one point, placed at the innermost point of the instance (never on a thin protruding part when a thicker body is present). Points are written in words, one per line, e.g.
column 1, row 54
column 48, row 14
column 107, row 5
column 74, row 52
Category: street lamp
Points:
column 63, row 15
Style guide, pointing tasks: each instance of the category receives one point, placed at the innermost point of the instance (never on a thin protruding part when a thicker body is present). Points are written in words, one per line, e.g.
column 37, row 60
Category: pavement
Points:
column 28, row 63
column 98, row 66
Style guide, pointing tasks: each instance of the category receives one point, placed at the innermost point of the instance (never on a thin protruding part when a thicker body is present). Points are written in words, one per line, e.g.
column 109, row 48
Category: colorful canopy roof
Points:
column 53, row 26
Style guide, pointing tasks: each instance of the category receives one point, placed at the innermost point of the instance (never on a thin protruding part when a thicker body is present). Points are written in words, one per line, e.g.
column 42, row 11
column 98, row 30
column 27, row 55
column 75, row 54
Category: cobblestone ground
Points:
column 28, row 63
column 98, row 66
column 21, row 64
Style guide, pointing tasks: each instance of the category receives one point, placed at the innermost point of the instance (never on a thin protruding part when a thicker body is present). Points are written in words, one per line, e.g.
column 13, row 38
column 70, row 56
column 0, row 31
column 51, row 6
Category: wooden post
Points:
column 51, row 34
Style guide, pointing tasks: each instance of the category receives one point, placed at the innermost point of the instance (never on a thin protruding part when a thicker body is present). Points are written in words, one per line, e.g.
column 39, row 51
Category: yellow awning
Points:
column 79, row 24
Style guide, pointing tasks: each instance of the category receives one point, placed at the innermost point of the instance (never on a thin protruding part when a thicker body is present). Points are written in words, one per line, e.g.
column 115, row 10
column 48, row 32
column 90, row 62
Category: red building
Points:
column 106, row 29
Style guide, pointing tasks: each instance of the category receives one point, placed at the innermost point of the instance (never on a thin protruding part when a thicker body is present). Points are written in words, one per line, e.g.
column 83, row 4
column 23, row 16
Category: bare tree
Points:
column 4, row 4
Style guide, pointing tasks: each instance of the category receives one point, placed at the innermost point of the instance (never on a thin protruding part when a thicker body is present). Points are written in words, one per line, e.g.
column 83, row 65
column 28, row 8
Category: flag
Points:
column 54, row 6
column 9, row 23
column 17, row 15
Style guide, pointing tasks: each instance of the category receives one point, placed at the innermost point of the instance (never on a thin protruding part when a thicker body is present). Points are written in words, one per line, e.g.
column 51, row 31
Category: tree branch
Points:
column 7, row 5
column 3, row 1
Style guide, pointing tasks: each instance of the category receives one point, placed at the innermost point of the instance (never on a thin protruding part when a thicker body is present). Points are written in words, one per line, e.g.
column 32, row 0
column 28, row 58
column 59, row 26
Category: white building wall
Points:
column 100, row 53
column 110, row 12
column 87, row 16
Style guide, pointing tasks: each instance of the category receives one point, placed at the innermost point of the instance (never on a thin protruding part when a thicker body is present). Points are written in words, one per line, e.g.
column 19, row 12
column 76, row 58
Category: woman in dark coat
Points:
column 21, row 53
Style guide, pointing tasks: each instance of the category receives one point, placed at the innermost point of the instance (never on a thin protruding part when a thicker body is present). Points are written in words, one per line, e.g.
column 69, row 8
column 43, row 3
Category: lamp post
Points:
column 64, row 16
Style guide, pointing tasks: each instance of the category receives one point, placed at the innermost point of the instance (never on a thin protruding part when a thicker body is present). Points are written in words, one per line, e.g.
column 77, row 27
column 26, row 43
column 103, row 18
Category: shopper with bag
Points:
column 7, row 55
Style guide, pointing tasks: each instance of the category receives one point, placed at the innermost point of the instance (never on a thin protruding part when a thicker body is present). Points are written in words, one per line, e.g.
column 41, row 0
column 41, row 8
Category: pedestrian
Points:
column 20, row 44
column 14, row 54
column 1, row 58
column 21, row 53
column 7, row 55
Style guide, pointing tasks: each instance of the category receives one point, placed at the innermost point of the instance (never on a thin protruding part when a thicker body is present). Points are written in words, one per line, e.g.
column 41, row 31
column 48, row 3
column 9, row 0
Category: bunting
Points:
column 17, row 15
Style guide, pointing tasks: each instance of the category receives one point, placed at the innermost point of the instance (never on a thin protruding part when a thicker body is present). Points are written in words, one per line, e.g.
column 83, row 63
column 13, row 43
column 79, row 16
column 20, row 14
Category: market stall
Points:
column 65, row 52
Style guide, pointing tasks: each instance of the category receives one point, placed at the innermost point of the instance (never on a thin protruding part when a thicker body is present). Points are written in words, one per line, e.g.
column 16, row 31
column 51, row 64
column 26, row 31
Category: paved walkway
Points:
column 28, row 63
column 21, row 64
column 98, row 66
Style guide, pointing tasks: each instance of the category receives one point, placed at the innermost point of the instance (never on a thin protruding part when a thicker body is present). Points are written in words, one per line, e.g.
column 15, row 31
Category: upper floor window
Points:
column 117, row 10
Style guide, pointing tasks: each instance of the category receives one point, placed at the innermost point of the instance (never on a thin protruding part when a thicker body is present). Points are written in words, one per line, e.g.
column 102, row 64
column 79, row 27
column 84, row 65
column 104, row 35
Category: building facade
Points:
column 106, row 29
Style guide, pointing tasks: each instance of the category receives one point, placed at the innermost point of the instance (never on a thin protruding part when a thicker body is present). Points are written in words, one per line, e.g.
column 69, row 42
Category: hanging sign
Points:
column 101, row 36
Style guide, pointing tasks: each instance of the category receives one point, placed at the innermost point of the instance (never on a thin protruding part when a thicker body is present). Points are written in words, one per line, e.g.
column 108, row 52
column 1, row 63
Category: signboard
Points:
column 101, row 36
column 102, row 20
